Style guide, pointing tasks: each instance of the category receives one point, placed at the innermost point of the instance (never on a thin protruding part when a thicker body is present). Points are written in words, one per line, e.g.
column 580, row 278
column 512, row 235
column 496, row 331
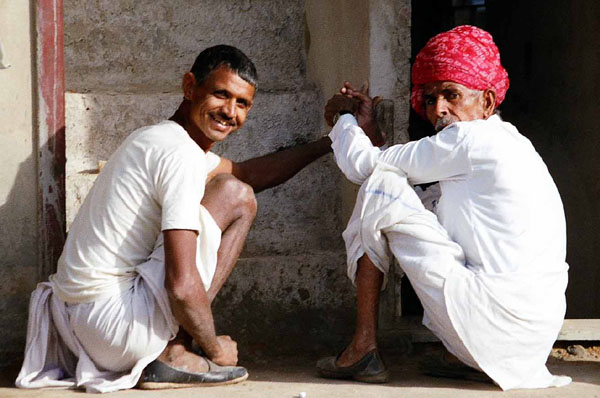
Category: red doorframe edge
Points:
column 50, row 68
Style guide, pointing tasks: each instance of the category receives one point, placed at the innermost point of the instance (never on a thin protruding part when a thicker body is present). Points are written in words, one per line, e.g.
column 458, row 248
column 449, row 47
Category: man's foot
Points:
column 354, row 353
column 177, row 355
column 368, row 369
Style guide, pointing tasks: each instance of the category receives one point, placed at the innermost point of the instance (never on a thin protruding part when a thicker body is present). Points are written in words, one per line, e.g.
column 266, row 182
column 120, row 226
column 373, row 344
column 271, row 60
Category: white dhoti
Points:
column 104, row 345
column 504, row 324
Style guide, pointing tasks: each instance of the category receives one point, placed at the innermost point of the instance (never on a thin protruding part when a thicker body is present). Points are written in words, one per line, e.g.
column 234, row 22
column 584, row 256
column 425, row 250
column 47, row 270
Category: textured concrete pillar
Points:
column 18, row 177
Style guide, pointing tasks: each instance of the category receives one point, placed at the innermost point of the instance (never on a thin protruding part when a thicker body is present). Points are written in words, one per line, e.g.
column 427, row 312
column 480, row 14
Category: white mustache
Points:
column 444, row 121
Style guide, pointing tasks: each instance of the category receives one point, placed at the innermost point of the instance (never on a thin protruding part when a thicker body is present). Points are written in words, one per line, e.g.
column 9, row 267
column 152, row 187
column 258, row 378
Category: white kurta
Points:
column 105, row 314
column 492, row 276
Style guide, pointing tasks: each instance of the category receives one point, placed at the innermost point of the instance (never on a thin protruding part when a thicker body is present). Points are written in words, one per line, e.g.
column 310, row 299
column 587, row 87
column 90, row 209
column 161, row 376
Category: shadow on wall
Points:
column 19, row 261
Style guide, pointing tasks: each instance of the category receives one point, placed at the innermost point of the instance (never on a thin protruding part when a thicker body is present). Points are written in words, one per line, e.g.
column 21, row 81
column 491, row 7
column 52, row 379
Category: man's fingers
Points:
column 349, row 86
column 365, row 88
column 358, row 95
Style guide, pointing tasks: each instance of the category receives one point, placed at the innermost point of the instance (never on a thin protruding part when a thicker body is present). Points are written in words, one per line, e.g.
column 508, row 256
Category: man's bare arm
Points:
column 189, row 302
column 275, row 168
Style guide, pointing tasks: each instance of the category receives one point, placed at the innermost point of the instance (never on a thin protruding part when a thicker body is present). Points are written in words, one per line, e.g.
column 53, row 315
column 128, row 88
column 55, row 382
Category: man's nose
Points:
column 441, row 107
column 229, row 108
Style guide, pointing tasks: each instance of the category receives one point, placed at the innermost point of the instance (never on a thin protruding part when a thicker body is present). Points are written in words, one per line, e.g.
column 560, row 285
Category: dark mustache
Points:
column 224, row 117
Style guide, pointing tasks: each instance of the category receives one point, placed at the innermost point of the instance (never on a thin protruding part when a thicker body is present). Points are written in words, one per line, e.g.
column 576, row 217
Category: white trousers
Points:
column 105, row 345
column 504, row 324
column 421, row 246
column 101, row 346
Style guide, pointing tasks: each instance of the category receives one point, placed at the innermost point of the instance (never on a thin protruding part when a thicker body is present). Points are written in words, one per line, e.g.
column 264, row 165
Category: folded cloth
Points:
column 101, row 347
column 501, row 323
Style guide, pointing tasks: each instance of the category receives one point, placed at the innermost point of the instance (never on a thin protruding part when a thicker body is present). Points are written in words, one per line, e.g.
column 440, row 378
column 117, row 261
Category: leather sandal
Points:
column 438, row 366
column 369, row 369
column 159, row 375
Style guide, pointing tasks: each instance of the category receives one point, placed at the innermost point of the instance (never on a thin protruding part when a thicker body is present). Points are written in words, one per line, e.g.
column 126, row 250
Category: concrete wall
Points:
column 291, row 278
column 147, row 45
column 552, row 57
column 18, row 182
column 293, row 263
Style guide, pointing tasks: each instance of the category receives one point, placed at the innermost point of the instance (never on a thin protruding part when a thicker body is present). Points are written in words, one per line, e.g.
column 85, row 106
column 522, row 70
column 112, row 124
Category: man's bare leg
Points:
column 232, row 205
column 369, row 280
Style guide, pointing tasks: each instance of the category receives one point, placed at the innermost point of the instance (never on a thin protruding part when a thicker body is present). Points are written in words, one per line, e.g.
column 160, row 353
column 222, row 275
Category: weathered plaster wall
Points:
column 147, row 45
column 389, row 55
column 552, row 56
column 18, row 183
column 293, row 263
column 124, row 62
column 337, row 43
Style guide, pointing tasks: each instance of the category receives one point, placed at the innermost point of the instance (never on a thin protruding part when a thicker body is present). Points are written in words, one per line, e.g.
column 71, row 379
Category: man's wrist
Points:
column 214, row 349
column 340, row 113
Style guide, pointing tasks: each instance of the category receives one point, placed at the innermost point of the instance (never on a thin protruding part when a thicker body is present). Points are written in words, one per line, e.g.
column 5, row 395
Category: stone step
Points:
column 100, row 38
column 572, row 330
column 292, row 217
column 271, row 298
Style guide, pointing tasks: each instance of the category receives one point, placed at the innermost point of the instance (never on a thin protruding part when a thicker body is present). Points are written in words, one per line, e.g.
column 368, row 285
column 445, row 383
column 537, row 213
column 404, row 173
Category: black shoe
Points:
column 158, row 375
column 369, row 369
column 438, row 366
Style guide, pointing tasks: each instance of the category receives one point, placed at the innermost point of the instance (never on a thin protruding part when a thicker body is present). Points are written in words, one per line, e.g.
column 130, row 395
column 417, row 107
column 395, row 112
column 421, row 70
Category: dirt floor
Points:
column 287, row 378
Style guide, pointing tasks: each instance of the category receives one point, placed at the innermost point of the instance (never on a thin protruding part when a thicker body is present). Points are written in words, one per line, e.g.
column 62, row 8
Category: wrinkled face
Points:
column 448, row 102
column 219, row 105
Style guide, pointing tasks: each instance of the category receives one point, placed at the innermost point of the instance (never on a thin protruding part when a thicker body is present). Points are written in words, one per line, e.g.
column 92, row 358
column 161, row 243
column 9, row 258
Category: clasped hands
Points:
column 361, row 105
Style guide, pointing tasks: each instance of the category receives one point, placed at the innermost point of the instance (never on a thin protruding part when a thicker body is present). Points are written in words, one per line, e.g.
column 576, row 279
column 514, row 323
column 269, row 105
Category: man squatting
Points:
column 154, row 241
column 489, row 266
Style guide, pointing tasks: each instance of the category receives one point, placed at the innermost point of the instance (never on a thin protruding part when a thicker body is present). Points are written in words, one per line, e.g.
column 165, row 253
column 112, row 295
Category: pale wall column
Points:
column 18, row 177
column 355, row 41
column 389, row 59
column 337, row 43
column 358, row 40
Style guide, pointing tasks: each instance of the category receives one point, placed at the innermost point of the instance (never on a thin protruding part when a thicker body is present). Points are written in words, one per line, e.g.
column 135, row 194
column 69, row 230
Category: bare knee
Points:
column 237, row 196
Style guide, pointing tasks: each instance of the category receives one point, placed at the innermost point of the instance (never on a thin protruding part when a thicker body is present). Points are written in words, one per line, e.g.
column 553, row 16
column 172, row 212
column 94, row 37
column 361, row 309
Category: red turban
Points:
column 466, row 55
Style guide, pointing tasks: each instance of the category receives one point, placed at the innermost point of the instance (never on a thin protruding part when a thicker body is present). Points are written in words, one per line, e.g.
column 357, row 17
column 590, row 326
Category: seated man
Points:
column 489, row 267
column 154, row 241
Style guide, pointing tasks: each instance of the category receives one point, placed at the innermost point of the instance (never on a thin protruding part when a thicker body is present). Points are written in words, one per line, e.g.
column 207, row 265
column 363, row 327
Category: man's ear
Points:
column 489, row 102
column 188, row 85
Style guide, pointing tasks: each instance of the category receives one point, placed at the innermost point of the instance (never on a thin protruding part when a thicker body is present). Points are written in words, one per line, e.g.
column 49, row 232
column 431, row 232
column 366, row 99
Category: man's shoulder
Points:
column 491, row 130
column 166, row 130
column 166, row 137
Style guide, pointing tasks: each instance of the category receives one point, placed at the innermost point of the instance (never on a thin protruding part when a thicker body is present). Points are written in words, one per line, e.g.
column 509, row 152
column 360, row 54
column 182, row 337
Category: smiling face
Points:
column 448, row 102
column 218, row 106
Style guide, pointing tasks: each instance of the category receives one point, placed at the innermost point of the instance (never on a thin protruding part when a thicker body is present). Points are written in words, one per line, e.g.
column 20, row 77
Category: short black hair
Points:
column 224, row 55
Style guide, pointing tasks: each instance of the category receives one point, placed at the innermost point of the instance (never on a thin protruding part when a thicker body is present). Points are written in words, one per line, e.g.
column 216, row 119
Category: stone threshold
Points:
column 572, row 330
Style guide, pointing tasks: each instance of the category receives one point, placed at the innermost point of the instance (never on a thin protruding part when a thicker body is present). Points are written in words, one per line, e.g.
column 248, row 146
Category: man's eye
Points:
column 452, row 96
column 429, row 101
column 242, row 105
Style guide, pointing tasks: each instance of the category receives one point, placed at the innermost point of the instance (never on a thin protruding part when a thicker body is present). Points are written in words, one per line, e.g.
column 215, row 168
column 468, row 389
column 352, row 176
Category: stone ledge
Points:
column 580, row 330
column 572, row 330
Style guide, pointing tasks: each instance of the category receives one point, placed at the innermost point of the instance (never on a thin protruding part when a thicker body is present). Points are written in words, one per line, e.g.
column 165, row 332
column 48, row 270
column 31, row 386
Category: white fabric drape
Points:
column 499, row 314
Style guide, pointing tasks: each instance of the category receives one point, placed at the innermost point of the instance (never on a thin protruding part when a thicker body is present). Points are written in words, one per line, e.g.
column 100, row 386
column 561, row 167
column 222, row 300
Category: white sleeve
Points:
column 212, row 161
column 441, row 157
column 444, row 156
column 180, row 188
column 353, row 151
